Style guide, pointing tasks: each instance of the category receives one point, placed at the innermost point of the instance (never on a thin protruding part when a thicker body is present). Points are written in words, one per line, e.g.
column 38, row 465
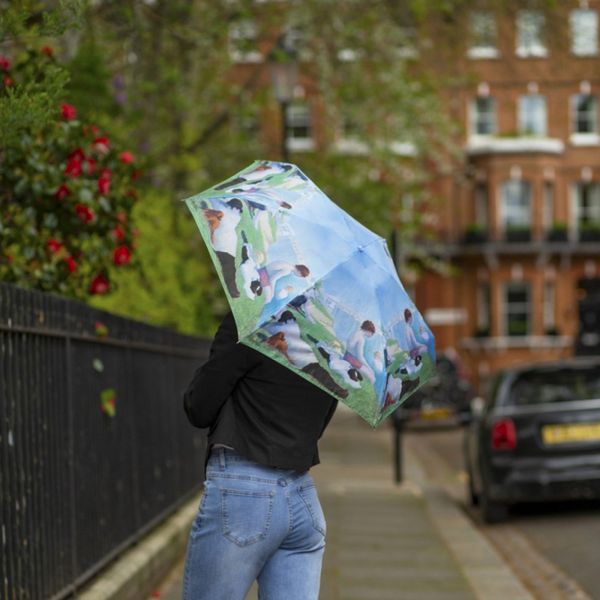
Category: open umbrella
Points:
column 313, row 289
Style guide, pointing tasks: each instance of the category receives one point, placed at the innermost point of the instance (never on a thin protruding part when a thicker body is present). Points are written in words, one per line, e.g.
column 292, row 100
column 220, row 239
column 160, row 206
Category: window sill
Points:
column 585, row 139
column 533, row 342
column 246, row 57
column 539, row 53
column 300, row 144
column 514, row 145
column 483, row 53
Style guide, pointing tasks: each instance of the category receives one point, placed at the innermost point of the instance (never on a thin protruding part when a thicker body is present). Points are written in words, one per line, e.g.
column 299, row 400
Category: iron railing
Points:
column 78, row 485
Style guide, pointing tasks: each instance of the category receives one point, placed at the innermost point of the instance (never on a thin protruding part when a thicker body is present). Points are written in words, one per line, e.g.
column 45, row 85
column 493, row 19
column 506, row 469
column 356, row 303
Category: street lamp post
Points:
column 283, row 65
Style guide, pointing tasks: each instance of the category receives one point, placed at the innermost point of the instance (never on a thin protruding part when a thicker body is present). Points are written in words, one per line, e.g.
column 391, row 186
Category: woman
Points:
column 260, row 516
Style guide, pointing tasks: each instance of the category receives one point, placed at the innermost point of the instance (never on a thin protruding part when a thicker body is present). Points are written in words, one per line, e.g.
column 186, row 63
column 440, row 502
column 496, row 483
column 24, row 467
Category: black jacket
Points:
column 266, row 412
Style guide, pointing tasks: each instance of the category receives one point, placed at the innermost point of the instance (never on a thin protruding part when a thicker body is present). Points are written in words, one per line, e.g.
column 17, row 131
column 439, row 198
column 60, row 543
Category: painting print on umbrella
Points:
column 314, row 289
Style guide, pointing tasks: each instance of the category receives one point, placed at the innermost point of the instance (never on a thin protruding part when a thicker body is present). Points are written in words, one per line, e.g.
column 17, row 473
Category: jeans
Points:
column 255, row 523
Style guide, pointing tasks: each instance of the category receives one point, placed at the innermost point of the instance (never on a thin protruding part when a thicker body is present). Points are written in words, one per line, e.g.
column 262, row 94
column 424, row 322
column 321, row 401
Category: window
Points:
column 532, row 115
column 243, row 42
column 588, row 206
column 516, row 309
column 481, row 205
column 299, row 128
column 585, row 113
column 548, row 205
column 483, row 35
column 483, row 307
column 484, row 116
column 549, row 306
column 516, row 204
column 584, row 32
column 530, row 34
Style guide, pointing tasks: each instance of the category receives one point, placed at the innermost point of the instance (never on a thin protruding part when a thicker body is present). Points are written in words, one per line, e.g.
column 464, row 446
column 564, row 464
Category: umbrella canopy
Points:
column 313, row 289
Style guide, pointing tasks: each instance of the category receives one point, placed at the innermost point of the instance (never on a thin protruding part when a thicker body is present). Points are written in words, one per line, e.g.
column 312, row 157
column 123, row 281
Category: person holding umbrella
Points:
column 272, row 381
column 260, row 516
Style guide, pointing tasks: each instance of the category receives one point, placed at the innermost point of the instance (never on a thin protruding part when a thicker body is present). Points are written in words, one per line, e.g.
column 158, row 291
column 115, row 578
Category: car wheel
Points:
column 491, row 510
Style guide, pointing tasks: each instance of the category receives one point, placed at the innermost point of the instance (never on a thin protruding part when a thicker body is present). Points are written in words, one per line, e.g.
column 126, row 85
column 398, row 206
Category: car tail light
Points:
column 504, row 435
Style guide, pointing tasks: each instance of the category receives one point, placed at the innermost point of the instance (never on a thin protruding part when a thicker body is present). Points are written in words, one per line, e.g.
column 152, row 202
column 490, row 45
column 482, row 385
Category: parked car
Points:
column 536, row 436
column 445, row 398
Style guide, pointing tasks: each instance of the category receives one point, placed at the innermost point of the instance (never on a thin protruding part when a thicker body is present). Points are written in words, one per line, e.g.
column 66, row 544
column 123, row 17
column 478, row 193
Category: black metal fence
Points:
column 94, row 445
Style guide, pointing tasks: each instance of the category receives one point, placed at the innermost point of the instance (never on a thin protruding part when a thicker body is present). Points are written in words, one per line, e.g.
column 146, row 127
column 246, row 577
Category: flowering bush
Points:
column 66, row 195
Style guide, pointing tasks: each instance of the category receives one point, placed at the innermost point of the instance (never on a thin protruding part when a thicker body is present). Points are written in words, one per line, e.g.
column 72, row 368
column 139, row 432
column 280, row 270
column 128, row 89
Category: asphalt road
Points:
column 565, row 535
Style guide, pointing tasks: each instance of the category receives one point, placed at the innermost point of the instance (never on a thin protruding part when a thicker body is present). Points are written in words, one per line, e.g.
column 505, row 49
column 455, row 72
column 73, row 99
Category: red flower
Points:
column 77, row 154
column 54, row 246
column 73, row 168
column 4, row 63
column 71, row 264
column 118, row 233
column 85, row 213
column 99, row 285
column 48, row 51
column 7, row 81
column 136, row 174
column 90, row 165
column 103, row 185
column 101, row 144
column 62, row 192
column 121, row 255
column 126, row 157
column 121, row 217
column 68, row 112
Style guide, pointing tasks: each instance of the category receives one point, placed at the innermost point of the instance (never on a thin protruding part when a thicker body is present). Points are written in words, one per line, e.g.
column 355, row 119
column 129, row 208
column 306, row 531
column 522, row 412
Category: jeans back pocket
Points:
column 246, row 515
column 309, row 496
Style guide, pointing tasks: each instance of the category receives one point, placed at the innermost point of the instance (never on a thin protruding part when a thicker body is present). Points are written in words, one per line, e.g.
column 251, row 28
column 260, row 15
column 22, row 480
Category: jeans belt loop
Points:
column 222, row 461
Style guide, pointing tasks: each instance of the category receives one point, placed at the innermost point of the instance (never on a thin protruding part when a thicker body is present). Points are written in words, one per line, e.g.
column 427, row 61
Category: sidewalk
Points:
column 390, row 542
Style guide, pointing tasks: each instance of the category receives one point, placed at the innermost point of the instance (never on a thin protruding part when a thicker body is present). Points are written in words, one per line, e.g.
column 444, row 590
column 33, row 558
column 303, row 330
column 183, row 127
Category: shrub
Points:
column 66, row 195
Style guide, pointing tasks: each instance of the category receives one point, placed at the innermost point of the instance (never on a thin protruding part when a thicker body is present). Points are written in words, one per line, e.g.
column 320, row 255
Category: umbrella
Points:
column 313, row 289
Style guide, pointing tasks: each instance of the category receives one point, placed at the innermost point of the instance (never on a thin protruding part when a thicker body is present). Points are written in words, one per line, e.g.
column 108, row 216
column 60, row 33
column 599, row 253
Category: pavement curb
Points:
column 138, row 571
column 483, row 567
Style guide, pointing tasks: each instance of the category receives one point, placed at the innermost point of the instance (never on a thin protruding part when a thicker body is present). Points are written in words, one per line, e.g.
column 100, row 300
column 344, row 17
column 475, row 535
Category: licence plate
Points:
column 435, row 413
column 574, row 432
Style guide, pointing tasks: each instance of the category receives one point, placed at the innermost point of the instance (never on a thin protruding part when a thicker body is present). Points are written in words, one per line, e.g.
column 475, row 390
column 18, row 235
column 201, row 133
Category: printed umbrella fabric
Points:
column 313, row 289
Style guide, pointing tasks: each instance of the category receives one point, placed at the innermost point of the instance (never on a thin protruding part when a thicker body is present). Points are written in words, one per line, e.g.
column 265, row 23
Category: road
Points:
column 537, row 538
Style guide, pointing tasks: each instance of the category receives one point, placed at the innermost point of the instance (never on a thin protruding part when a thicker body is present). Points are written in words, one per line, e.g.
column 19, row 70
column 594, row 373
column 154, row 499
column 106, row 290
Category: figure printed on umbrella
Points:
column 314, row 289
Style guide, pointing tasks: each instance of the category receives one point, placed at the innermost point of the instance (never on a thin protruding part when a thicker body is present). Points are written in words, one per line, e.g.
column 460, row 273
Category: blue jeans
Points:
column 255, row 523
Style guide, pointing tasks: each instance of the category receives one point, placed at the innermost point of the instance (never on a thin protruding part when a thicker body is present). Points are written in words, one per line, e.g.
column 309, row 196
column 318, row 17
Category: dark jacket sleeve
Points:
column 214, row 381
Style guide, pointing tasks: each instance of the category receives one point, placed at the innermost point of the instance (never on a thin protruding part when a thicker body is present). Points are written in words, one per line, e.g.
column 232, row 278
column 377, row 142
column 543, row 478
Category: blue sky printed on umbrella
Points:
column 313, row 288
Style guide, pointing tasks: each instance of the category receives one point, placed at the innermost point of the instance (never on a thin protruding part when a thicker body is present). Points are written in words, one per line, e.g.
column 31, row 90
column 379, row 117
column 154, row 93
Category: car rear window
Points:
column 560, row 385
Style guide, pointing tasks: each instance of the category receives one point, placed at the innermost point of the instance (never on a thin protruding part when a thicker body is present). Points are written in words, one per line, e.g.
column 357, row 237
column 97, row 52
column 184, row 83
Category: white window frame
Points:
column 524, row 192
column 240, row 32
column 298, row 114
column 521, row 308
column 484, row 117
column 593, row 212
column 575, row 116
column 530, row 34
column 483, row 50
column 527, row 115
column 578, row 32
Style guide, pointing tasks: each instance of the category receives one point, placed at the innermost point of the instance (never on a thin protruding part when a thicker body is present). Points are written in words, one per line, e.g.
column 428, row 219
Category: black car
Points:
column 535, row 437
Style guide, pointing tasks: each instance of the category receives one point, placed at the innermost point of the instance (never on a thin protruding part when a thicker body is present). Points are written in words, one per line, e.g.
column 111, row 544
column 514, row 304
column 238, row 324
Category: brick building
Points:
column 523, row 228
column 521, row 225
